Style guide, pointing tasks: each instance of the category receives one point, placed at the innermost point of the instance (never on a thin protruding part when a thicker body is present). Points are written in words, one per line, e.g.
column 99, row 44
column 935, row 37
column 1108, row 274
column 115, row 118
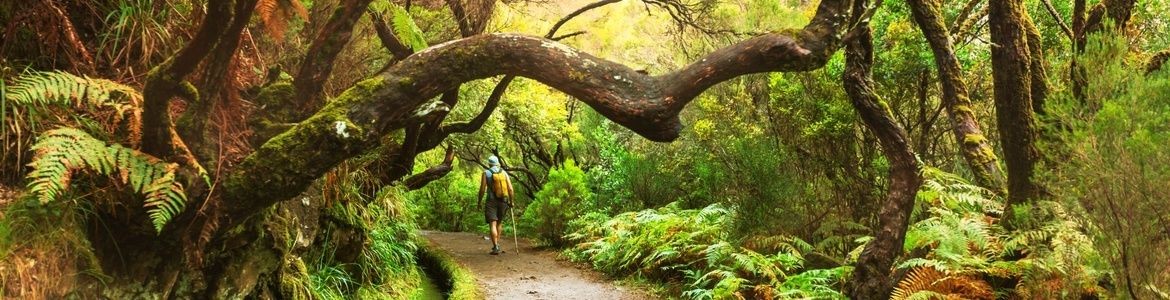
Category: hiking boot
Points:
column 495, row 250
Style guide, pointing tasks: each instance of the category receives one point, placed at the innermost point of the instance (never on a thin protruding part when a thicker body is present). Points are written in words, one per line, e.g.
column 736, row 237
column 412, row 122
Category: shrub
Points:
column 557, row 202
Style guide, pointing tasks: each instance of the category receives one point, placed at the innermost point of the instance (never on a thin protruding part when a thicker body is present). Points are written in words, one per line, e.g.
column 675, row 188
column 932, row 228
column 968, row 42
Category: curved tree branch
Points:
column 163, row 82
column 871, row 275
column 388, row 38
column 649, row 105
column 420, row 180
column 475, row 123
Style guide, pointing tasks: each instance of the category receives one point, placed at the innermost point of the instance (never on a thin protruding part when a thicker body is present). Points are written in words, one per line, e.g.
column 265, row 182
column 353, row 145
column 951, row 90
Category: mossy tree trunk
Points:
column 1013, row 75
column 318, row 62
column 872, row 277
column 975, row 148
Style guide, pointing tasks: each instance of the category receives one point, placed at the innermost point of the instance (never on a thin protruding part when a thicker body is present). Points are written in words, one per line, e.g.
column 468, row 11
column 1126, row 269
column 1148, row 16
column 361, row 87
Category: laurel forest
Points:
column 694, row 149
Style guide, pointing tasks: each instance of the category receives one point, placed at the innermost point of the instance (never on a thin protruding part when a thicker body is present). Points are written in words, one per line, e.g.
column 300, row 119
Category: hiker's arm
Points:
column 511, row 191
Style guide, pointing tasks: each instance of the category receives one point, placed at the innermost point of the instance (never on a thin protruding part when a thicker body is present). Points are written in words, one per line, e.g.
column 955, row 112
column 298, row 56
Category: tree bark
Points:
column 318, row 62
column 1012, row 76
column 975, row 148
column 648, row 105
column 1117, row 11
column 166, row 81
column 1038, row 68
column 83, row 62
column 871, row 274
column 1157, row 61
column 215, row 79
column 388, row 38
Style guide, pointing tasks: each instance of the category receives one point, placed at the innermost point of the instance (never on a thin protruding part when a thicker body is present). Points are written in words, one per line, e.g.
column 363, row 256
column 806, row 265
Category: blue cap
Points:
column 493, row 160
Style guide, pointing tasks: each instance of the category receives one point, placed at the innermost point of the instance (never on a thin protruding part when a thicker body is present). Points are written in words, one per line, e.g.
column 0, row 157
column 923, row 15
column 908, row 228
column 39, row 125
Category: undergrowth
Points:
column 955, row 250
column 691, row 248
column 33, row 256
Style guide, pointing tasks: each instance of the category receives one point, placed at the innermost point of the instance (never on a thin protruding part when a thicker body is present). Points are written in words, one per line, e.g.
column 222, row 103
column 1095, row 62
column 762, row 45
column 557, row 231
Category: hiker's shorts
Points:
column 495, row 210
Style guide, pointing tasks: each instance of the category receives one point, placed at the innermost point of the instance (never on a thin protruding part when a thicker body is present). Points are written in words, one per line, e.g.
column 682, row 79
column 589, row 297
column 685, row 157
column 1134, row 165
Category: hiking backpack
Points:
column 501, row 186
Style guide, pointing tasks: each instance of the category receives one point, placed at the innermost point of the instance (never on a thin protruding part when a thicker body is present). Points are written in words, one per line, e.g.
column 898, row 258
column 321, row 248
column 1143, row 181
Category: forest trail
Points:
column 530, row 273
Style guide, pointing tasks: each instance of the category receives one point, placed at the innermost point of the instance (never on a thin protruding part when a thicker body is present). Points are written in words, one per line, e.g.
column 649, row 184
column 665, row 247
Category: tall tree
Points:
column 976, row 149
column 1012, row 73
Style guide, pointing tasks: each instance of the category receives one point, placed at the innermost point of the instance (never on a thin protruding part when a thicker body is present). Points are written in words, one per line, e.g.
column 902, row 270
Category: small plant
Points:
column 62, row 152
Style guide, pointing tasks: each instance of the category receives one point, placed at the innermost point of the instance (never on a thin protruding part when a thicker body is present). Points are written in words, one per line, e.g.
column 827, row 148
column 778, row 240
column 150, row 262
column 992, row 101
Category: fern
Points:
column 406, row 29
column 275, row 15
column 61, row 89
column 930, row 283
column 62, row 152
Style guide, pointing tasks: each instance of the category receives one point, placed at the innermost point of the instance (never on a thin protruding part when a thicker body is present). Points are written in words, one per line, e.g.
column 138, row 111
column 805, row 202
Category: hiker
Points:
column 499, row 198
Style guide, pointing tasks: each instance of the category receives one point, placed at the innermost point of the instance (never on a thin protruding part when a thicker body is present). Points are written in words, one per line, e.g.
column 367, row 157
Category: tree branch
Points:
column 649, row 105
column 420, row 180
column 576, row 13
column 163, row 82
column 465, row 28
column 964, row 14
column 475, row 123
column 86, row 64
column 1059, row 21
column 318, row 62
column 976, row 149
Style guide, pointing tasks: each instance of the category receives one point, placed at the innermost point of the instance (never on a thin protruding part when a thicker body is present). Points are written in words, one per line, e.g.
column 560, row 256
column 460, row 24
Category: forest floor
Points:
column 530, row 273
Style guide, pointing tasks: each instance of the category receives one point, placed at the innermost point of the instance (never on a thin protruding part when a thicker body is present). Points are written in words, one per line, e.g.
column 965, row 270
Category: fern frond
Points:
column 917, row 280
column 61, row 89
column 61, row 152
column 931, row 283
column 406, row 29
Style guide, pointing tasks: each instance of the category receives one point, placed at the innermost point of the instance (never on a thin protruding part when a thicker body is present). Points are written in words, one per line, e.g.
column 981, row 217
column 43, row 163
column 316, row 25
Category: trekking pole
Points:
column 516, row 240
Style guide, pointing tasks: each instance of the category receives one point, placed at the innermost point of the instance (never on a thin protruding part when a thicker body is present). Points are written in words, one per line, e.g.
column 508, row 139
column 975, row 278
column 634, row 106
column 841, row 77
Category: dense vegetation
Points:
column 709, row 149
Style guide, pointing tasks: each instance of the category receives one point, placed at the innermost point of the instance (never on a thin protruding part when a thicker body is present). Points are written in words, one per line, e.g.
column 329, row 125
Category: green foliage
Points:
column 448, row 203
column 62, row 152
column 61, row 89
column 1109, row 173
column 5, row 242
column 30, row 102
column 557, row 203
column 692, row 246
column 964, row 247
column 406, row 29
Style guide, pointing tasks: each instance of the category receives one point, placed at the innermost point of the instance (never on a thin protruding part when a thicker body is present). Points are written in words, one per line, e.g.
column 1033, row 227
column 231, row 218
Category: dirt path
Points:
column 526, row 274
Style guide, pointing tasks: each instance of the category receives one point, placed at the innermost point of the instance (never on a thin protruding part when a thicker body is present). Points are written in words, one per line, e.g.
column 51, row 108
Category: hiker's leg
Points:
column 495, row 227
column 492, row 217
